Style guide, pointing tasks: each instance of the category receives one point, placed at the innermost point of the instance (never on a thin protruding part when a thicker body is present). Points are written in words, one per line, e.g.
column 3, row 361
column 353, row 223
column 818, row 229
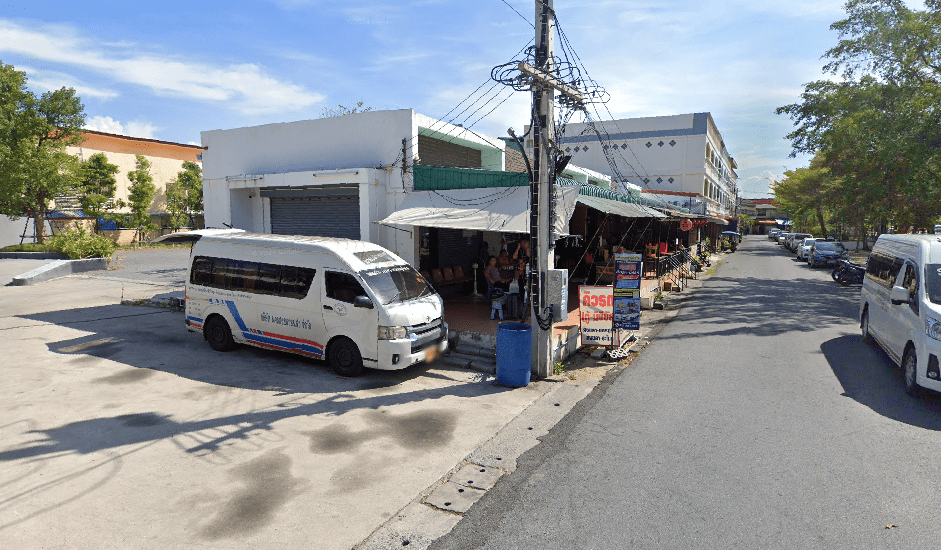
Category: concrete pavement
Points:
column 121, row 429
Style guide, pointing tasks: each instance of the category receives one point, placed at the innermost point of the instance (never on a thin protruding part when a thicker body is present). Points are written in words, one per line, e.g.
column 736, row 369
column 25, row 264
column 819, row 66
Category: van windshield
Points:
column 397, row 283
column 933, row 282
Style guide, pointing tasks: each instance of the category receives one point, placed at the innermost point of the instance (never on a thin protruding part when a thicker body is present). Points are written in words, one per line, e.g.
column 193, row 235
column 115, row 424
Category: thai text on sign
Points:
column 596, row 314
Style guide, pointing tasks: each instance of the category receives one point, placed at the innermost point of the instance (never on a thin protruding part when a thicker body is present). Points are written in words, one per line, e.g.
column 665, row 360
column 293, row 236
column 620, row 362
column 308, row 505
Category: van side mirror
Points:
column 899, row 296
column 363, row 301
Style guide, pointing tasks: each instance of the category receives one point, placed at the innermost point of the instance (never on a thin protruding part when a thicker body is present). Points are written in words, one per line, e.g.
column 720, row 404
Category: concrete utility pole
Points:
column 544, row 86
column 542, row 124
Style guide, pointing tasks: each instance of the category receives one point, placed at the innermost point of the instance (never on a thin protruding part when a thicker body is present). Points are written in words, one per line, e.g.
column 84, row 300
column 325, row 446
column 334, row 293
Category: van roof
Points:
column 932, row 243
column 348, row 249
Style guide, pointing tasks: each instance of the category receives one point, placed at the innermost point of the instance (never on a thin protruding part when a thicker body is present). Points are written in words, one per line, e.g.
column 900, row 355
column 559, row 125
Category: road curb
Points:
column 59, row 268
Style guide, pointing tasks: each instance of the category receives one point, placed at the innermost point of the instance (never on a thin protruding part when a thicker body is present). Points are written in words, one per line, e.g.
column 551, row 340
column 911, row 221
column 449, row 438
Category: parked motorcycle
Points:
column 848, row 273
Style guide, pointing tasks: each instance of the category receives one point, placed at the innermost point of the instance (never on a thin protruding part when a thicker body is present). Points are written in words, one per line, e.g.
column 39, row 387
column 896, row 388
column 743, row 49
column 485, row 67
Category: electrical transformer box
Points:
column 557, row 293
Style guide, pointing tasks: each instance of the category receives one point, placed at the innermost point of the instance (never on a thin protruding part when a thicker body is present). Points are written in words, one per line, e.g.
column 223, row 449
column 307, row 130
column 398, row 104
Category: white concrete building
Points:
column 333, row 176
column 678, row 155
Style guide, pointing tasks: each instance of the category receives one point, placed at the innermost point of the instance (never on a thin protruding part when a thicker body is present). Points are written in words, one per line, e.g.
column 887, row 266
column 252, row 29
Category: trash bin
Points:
column 514, row 341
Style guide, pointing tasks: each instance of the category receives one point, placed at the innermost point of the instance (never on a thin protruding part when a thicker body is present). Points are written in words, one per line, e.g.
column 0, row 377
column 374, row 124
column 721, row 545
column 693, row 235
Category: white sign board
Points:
column 596, row 312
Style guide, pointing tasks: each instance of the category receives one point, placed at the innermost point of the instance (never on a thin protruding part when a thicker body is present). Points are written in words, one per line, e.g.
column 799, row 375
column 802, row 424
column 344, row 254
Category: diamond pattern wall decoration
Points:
column 659, row 180
column 576, row 149
column 660, row 144
column 649, row 145
column 623, row 146
column 671, row 180
column 672, row 142
column 584, row 148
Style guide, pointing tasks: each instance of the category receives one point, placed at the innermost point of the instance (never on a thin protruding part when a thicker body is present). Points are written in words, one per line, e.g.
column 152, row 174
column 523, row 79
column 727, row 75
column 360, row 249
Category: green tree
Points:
column 97, row 187
column 878, row 130
column 808, row 195
column 185, row 195
column 34, row 131
column 745, row 223
column 141, row 195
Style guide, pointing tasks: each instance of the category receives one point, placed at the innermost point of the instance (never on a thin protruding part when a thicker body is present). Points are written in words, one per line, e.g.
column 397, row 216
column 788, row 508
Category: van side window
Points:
column 342, row 286
column 254, row 277
column 269, row 279
column 910, row 282
column 202, row 269
column 883, row 269
column 295, row 281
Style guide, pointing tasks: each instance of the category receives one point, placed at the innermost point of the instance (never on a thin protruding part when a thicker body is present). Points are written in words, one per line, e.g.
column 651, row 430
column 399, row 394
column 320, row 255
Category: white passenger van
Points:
column 352, row 303
column 900, row 305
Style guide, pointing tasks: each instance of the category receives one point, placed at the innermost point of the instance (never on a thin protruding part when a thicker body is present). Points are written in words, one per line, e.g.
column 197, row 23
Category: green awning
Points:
column 624, row 209
column 437, row 178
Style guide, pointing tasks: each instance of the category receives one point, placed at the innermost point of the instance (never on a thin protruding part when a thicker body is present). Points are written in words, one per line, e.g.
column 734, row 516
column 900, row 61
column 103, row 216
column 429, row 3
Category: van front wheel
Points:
column 218, row 334
column 909, row 370
column 344, row 357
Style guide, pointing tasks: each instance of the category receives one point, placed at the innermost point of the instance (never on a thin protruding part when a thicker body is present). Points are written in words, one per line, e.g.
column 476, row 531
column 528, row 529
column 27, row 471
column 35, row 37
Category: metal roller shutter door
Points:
column 329, row 216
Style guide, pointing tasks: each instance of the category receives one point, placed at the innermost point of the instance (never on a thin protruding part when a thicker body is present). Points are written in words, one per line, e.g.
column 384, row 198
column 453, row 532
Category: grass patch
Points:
column 25, row 247
column 712, row 270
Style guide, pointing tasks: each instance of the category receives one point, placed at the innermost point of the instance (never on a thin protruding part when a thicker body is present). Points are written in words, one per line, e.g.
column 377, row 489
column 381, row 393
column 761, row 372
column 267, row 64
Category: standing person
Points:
column 522, row 250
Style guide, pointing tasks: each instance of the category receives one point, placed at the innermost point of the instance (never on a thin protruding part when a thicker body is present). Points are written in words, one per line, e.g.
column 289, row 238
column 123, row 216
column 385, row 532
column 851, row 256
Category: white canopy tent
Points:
column 504, row 209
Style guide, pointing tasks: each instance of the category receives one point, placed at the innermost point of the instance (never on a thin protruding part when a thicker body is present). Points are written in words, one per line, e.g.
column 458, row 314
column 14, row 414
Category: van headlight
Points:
column 393, row 333
column 932, row 327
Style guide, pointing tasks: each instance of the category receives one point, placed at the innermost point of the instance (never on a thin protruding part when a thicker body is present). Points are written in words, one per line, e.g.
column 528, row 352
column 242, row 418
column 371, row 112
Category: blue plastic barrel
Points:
column 513, row 354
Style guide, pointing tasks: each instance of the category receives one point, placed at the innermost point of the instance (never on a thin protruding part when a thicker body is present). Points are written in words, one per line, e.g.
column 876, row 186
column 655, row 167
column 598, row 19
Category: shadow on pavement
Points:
column 730, row 306
column 870, row 378
column 149, row 341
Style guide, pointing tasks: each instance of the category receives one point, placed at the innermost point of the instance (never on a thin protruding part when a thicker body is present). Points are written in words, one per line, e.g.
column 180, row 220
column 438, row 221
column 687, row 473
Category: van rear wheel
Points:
column 864, row 327
column 218, row 334
column 345, row 358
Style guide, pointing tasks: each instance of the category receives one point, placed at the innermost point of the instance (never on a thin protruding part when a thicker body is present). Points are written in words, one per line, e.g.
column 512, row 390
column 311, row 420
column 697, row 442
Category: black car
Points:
column 827, row 253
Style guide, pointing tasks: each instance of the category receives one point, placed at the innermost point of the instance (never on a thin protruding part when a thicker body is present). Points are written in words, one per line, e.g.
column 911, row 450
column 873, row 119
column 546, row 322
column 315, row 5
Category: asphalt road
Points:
column 756, row 419
column 160, row 265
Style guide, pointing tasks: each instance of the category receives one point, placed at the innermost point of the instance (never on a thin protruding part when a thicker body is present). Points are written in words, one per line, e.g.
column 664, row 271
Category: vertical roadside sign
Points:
column 596, row 305
column 628, row 270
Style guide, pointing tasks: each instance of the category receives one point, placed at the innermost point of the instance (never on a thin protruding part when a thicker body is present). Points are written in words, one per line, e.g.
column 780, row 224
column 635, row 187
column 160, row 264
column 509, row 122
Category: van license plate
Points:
column 432, row 354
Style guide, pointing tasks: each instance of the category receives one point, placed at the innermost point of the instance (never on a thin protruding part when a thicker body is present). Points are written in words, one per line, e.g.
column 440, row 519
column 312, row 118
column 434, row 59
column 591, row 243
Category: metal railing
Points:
column 675, row 268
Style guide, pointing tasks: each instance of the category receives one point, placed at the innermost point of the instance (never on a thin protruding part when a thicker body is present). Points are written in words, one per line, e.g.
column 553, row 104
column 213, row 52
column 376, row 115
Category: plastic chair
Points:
column 448, row 275
column 436, row 277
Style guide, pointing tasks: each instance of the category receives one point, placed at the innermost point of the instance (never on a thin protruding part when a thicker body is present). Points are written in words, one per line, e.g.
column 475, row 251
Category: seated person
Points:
column 492, row 275
column 504, row 259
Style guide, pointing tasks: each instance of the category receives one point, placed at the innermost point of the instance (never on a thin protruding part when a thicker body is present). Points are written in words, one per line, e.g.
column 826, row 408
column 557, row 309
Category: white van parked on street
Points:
column 900, row 305
column 352, row 303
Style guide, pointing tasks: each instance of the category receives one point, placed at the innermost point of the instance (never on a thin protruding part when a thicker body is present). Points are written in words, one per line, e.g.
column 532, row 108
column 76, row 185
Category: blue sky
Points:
column 170, row 70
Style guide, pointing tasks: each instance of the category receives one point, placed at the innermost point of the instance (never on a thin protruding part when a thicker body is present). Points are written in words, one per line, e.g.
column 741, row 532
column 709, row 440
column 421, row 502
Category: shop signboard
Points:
column 628, row 270
column 596, row 307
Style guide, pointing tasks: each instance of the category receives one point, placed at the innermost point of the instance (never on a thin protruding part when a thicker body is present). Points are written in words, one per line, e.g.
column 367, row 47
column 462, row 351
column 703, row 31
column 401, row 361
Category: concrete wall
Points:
column 362, row 149
column 164, row 169
column 658, row 153
column 10, row 231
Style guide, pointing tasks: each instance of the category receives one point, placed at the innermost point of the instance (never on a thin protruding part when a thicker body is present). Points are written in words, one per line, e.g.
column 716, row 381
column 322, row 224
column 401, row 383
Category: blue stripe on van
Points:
column 270, row 340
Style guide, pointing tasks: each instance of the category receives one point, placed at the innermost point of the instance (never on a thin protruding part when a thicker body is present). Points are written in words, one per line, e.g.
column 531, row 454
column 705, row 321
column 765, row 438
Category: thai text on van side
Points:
column 278, row 320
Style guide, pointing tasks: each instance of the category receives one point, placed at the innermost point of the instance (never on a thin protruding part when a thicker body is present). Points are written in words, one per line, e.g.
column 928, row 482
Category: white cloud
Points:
column 135, row 128
column 41, row 81
column 245, row 86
